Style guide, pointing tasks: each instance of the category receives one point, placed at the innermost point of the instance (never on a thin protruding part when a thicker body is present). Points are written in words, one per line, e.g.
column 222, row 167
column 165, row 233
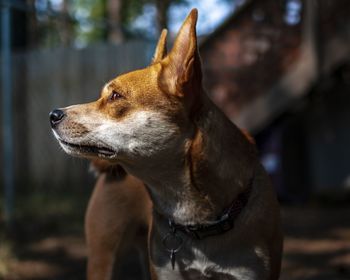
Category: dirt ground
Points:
column 317, row 243
column 317, row 246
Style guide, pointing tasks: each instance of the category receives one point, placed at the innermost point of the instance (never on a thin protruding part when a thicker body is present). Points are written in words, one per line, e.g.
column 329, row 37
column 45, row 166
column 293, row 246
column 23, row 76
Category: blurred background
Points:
column 278, row 68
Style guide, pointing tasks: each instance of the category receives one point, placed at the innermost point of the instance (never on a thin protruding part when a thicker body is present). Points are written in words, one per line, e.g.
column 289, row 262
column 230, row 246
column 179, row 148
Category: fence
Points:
column 43, row 80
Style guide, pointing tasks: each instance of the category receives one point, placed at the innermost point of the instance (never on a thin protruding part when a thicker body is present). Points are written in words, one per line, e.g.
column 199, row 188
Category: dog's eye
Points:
column 114, row 96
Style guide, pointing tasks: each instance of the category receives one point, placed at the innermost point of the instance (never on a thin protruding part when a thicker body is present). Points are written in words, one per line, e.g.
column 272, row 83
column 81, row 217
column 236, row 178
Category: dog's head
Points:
column 142, row 114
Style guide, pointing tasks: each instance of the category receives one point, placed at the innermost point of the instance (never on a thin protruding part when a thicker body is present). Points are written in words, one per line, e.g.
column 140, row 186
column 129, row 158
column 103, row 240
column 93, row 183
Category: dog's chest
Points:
column 195, row 272
column 198, row 266
column 207, row 272
column 196, row 275
column 211, row 275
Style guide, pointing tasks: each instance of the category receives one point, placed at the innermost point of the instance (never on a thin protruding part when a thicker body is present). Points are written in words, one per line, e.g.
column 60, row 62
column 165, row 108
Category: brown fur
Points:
column 194, row 161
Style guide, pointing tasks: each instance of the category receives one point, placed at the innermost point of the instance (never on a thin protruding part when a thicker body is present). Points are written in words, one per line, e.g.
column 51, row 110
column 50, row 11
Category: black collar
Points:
column 223, row 224
column 173, row 242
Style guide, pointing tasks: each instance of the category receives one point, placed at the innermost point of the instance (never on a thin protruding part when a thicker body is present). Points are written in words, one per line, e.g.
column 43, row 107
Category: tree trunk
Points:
column 115, row 34
column 32, row 27
column 162, row 14
column 66, row 32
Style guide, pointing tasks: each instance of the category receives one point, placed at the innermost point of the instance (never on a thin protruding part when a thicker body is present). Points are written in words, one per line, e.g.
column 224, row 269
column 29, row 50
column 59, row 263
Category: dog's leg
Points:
column 117, row 210
column 142, row 248
column 102, row 238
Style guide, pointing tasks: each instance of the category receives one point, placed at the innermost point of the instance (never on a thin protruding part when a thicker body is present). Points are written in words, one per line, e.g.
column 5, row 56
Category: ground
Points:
column 317, row 247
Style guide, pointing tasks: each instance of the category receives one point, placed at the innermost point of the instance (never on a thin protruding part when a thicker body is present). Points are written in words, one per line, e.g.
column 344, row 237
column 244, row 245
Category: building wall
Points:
column 328, row 133
column 309, row 143
column 249, row 54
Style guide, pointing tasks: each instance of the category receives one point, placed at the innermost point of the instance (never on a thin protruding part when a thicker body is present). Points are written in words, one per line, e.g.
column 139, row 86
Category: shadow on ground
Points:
column 317, row 243
column 317, row 247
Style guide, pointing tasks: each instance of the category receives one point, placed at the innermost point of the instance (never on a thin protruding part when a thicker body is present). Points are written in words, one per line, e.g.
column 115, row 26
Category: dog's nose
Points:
column 56, row 117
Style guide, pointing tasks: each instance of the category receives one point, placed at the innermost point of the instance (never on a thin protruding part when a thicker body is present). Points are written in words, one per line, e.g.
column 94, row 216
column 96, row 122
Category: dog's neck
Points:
column 194, row 183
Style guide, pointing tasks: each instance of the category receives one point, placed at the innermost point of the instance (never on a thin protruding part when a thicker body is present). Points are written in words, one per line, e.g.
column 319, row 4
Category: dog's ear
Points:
column 184, row 60
column 161, row 50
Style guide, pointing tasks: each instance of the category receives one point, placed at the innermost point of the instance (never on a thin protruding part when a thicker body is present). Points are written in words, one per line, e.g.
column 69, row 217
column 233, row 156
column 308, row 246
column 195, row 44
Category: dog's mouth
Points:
column 89, row 149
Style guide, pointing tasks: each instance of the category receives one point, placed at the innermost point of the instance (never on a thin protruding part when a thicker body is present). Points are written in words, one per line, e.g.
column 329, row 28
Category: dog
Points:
column 215, row 214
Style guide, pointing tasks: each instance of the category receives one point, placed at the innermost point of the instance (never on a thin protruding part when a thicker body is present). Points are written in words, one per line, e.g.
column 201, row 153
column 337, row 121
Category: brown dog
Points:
column 215, row 213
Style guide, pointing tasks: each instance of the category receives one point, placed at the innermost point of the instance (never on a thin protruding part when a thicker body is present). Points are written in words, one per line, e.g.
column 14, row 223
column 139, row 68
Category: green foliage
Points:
column 90, row 24
column 88, row 20
column 131, row 9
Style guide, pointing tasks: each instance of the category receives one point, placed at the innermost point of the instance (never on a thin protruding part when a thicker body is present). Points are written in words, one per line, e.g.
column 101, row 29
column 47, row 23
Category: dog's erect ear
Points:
column 184, row 60
column 161, row 50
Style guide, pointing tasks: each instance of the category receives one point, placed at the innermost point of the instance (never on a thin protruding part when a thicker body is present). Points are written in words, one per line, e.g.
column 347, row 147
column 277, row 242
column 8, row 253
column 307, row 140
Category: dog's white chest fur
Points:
column 206, row 268
column 198, row 266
